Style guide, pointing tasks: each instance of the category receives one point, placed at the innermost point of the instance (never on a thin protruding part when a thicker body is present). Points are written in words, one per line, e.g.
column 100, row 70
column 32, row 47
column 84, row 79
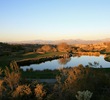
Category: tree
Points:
column 12, row 76
column 63, row 47
column 46, row 48
column 108, row 47
column 39, row 91
column 22, row 91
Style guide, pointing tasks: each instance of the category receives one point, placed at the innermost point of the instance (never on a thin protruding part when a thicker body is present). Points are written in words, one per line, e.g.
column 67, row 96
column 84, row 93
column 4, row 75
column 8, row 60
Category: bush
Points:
column 84, row 95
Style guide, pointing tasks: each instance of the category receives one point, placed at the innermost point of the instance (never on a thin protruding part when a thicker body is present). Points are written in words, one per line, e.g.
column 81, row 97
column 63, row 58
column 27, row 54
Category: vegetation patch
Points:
column 71, row 84
column 107, row 58
column 45, row 74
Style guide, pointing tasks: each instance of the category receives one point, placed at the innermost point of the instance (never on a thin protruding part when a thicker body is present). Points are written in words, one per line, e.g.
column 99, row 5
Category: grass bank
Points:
column 51, row 74
column 5, row 60
column 45, row 74
column 107, row 58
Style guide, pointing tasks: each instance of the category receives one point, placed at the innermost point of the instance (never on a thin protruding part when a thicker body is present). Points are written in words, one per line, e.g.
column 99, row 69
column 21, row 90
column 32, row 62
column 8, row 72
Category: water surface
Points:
column 69, row 62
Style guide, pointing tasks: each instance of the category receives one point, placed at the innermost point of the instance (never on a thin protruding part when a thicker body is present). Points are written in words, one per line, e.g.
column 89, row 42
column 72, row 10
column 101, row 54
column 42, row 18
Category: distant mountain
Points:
column 69, row 41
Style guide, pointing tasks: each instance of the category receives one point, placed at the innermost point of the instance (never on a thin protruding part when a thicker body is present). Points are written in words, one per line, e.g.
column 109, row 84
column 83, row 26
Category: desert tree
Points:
column 39, row 91
column 46, row 48
column 63, row 47
column 22, row 92
column 12, row 76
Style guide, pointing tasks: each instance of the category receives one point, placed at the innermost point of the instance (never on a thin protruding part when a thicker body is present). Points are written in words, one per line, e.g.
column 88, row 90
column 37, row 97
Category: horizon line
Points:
column 53, row 40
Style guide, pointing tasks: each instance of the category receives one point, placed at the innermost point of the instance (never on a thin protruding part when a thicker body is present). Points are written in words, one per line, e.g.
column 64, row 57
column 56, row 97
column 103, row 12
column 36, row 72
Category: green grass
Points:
column 5, row 60
column 34, row 55
column 48, row 74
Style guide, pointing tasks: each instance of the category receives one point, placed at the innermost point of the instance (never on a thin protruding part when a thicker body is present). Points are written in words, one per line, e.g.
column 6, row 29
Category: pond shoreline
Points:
column 107, row 58
column 40, row 60
column 43, row 59
column 52, row 64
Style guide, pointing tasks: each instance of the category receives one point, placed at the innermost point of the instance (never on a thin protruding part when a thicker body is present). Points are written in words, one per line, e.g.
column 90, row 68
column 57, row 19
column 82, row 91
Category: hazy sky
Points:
column 54, row 19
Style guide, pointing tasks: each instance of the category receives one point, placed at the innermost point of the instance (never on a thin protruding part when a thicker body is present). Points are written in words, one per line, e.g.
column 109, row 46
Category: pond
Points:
column 97, row 61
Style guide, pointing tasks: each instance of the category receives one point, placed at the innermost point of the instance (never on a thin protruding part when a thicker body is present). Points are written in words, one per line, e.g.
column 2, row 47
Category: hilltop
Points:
column 69, row 41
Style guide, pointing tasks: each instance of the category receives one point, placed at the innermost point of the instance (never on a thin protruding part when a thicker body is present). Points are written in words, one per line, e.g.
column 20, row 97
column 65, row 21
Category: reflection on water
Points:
column 98, row 61
column 63, row 61
column 95, row 64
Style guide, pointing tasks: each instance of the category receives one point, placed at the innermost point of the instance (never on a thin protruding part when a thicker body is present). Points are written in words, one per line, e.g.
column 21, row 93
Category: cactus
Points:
column 84, row 95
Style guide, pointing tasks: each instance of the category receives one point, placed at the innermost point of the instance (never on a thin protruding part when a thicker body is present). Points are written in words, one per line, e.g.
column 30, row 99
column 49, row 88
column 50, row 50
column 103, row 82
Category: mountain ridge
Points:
column 68, row 41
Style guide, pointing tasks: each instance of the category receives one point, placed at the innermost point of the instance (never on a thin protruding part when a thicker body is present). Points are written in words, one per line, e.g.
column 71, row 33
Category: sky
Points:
column 22, row 20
